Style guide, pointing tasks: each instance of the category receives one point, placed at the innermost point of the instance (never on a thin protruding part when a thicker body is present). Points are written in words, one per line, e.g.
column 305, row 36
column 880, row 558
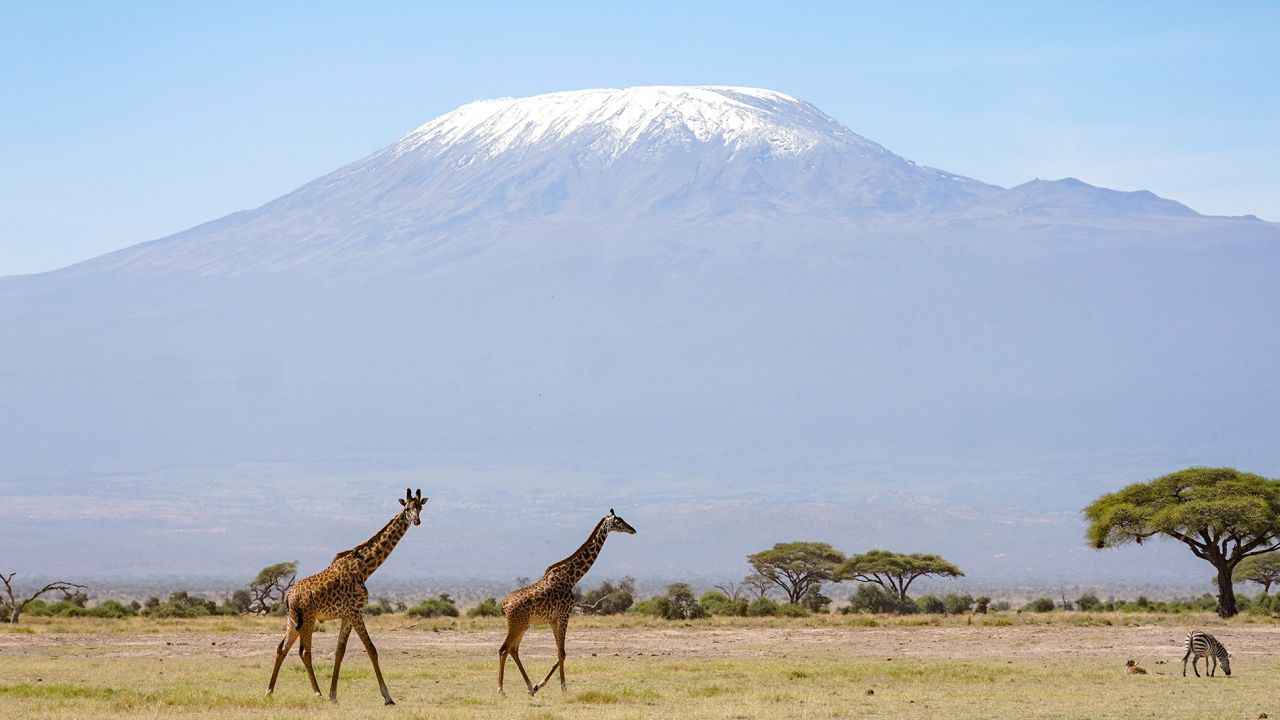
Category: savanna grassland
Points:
column 1057, row 665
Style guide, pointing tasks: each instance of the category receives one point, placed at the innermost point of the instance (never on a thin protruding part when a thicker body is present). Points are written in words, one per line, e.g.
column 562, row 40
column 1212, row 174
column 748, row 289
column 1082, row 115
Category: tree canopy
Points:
column 268, row 588
column 1263, row 569
column 797, row 566
column 896, row 571
column 1222, row 514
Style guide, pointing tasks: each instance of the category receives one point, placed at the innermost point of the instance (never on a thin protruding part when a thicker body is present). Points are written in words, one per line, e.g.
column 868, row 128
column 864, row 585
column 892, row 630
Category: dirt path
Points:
column 1148, row 643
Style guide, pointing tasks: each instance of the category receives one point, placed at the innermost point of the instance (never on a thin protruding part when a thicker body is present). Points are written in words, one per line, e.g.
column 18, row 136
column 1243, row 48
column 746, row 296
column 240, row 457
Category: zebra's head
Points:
column 1226, row 663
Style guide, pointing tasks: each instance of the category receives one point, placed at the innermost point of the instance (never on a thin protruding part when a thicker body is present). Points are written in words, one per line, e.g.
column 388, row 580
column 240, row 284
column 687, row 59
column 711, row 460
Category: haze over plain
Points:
column 715, row 307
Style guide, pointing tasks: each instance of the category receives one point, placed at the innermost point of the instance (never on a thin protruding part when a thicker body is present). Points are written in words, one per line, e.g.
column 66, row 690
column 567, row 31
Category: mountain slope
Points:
column 701, row 293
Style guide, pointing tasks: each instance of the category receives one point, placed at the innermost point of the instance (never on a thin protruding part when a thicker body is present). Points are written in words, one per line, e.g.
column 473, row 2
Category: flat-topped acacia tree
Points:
column 896, row 571
column 1222, row 514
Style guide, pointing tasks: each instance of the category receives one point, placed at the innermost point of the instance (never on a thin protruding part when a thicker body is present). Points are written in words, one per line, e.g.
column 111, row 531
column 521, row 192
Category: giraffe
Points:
column 338, row 593
column 550, row 600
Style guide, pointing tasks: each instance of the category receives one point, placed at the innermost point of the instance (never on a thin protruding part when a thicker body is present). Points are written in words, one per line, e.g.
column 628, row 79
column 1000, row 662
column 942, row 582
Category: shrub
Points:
column 982, row 602
column 609, row 599
column 956, row 604
column 1088, row 602
column 112, row 609
column 382, row 607
column 763, row 607
column 488, row 608
column 794, row 610
column 681, row 604
column 931, row 604
column 441, row 606
column 873, row 599
column 814, row 601
column 717, row 603
column 653, row 606
column 180, row 604
column 1043, row 604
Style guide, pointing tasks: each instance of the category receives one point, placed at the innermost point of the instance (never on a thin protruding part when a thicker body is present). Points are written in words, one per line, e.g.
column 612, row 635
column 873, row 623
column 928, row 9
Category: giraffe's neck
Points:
column 572, row 568
column 376, row 549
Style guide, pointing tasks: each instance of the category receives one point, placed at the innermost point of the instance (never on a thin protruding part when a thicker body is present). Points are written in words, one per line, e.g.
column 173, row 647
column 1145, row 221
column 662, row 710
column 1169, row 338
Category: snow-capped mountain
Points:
column 668, row 156
column 674, row 295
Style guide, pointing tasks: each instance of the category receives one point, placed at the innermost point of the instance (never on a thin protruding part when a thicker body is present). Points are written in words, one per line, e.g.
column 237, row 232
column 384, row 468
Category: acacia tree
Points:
column 1263, row 569
column 759, row 584
column 13, row 607
column 1222, row 514
column 896, row 571
column 266, row 591
column 797, row 566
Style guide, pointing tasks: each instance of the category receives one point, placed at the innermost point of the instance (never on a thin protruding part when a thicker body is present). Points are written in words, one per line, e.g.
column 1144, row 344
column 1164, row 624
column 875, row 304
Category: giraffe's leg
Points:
column 343, row 634
column 304, row 652
column 282, row 650
column 560, row 638
column 516, row 626
column 373, row 658
column 558, row 628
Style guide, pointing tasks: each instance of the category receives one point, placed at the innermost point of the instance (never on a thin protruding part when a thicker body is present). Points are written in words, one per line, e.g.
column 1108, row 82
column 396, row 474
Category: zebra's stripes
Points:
column 1203, row 645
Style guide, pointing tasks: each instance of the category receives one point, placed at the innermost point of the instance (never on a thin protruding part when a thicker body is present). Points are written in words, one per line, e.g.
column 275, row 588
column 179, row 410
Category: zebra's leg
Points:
column 1215, row 664
column 1184, row 662
column 1195, row 659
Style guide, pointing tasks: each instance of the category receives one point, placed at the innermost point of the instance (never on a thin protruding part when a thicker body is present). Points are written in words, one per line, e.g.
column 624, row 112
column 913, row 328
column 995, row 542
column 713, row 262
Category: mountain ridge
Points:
column 669, row 155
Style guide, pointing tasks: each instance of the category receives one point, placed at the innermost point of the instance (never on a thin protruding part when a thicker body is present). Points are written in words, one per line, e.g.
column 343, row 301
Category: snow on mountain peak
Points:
column 613, row 121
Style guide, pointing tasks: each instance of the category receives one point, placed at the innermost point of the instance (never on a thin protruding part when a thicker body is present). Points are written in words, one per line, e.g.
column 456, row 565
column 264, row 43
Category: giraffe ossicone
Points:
column 338, row 593
column 550, row 600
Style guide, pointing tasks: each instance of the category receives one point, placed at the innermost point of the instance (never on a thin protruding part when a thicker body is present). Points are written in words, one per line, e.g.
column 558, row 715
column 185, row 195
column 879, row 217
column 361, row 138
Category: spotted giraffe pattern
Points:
column 550, row 600
column 338, row 593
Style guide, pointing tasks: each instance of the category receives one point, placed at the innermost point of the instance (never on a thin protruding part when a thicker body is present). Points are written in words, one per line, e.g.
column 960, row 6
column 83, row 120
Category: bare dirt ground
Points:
column 956, row 642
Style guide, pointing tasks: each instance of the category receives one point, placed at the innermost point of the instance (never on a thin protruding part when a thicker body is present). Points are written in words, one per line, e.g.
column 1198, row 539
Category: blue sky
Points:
column 125, row 122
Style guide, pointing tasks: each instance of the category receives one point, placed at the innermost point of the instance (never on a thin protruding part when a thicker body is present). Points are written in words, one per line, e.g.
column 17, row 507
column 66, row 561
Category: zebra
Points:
column 1203, row 645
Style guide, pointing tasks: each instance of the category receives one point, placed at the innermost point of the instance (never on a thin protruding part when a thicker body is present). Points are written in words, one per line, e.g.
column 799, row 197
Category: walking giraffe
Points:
column 550, row 600
column 338, row 593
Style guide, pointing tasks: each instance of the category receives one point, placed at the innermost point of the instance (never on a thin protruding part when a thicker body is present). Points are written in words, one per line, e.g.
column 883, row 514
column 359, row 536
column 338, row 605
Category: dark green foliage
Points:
column 239, row 601
column 680, row 604
column 654, row 606
column 793, row 611
column 763, row 607
column 609, row 599
column 382, row 607
column 981, row 603
column 931, row 605
column 1040, row 605
column 488, row 608
column 182, row 604
column 441, row 606
column 66, row 608
column 872, row 598
column 957, row 604
column 717, row 603
column 1088, row 602
column 814, row 601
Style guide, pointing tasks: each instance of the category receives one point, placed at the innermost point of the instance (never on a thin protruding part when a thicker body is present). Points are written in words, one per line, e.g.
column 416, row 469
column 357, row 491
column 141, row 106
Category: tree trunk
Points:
column 13, row 617
column 1226, row 592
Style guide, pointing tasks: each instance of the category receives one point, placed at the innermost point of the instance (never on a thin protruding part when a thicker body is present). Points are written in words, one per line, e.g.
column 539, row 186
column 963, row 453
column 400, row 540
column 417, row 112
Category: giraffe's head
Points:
column 613, row 523
column 413, row 505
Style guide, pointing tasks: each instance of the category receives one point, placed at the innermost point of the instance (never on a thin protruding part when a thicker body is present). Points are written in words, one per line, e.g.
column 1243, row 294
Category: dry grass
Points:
column 824, row 668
